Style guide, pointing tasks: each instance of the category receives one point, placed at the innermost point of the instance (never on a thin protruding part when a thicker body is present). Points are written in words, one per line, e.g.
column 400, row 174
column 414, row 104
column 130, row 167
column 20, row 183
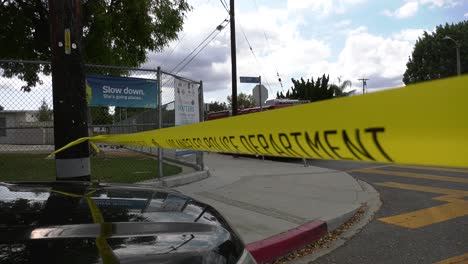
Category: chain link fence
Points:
column 27, row 130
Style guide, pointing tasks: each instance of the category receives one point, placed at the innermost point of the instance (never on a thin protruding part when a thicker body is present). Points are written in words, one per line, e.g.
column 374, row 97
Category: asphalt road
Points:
column 423, row 218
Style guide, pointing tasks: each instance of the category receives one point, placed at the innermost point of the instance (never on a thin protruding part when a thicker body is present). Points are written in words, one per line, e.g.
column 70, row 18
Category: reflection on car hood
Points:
column 75, row 222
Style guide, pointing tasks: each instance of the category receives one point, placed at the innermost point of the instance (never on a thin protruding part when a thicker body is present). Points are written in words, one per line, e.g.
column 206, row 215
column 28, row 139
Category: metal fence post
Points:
column 160, row 150
column 201, row 103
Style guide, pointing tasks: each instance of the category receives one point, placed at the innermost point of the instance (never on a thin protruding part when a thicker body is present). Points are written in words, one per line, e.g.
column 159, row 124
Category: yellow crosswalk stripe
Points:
column 429, row 216
column 419, row 188
column 368, row 168
column 416, row 175
column 456, row 207
column 462, row 259
column 430, row 168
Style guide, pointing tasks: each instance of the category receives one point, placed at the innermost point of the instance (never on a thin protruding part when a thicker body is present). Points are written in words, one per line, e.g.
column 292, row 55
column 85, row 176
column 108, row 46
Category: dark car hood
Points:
column 75, row 222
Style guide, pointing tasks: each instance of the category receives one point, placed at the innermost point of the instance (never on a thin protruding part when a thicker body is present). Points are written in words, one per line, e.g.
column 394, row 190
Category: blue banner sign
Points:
column 102, row 90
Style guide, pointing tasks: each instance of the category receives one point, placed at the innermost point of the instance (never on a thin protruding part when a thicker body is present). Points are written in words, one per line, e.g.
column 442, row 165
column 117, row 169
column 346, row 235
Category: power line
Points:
column 276, row 68
column 268, row 44
column 204, row 46
column 256, row 59
column 247, row 40
column 175, row 47
column 205, row 43
column 224, row 5
column 255, row 56
column 201, row 43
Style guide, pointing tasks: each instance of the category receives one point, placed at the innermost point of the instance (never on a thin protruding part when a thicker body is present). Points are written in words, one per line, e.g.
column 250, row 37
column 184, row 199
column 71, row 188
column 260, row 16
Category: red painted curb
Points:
column 267, row 250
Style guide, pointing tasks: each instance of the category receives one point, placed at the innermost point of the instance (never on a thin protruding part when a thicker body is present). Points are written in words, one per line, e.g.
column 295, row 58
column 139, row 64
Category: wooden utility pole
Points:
column 364, row 84
column 233, row 58
column 69, row 93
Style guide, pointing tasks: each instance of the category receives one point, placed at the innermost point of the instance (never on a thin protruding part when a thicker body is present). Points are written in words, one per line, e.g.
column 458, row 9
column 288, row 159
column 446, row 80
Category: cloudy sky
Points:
column 344, row 38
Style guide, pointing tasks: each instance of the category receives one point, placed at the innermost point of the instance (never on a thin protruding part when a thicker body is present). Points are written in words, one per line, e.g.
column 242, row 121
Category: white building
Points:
column 21, row 127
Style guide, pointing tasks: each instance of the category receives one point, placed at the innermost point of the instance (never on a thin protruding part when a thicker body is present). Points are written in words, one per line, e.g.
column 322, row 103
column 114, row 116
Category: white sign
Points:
column 260, row 94
column 187, row 109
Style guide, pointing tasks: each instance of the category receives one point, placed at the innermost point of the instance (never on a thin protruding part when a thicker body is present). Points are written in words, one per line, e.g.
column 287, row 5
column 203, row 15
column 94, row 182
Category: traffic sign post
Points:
column 256, row 95
column 259, row 91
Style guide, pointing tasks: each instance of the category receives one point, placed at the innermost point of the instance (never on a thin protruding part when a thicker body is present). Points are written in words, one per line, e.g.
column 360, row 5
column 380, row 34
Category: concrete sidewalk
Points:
column 265, row 198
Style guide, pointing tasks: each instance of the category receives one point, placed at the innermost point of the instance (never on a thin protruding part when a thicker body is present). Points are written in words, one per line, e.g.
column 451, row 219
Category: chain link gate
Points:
column 27, row 132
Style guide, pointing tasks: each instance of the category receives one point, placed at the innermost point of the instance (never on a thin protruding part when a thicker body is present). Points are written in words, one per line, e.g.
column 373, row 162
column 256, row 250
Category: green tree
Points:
column 114, row 32
column 122, row 113
column 100, row 115
column 339, row 89
column 434, row 58
column 44, row 112
column 309, row 90
column 243, row 100
column 217, row 106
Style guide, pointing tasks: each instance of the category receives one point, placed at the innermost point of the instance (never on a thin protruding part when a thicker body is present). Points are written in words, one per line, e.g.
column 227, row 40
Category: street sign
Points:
column 260, row 95
column 246, row 79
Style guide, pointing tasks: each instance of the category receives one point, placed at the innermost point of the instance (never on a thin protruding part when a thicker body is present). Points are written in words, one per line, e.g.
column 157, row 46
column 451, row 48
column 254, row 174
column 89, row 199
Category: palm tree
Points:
column 339, row 89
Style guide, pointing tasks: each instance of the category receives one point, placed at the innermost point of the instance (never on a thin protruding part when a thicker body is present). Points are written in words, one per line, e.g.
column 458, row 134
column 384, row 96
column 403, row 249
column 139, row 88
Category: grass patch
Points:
column 128, row 169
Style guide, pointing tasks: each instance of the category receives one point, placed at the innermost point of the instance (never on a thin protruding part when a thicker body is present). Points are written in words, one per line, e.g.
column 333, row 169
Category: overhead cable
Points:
column 255, row 56
column 268, row 44
column 225, row 5
column 172, row 51
column 219, row 28
column 207, row 40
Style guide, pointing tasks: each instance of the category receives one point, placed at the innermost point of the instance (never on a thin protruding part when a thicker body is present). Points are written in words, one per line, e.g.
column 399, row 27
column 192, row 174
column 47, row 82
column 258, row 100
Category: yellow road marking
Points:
column 413, row 187
column 369, row 168
column 430, row 168
column 416, row 175
column 462, row 259
column 429, row 216
column 456, row 207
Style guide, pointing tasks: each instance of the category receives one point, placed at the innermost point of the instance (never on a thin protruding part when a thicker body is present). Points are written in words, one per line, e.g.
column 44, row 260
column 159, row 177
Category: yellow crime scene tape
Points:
column 425, row 124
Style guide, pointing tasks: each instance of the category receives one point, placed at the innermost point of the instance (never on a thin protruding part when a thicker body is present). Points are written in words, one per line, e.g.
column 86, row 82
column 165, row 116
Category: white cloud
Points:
column 407, row 10
column 324, row 7
column 286, row 51
column 380, row 58
column 409, row 34
column 343, row 23
column 411, row 7
column 441, row 3
column 13, row 98
column 367, row 54
column 387, row 12
column 465, row 15
column 355, row 31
